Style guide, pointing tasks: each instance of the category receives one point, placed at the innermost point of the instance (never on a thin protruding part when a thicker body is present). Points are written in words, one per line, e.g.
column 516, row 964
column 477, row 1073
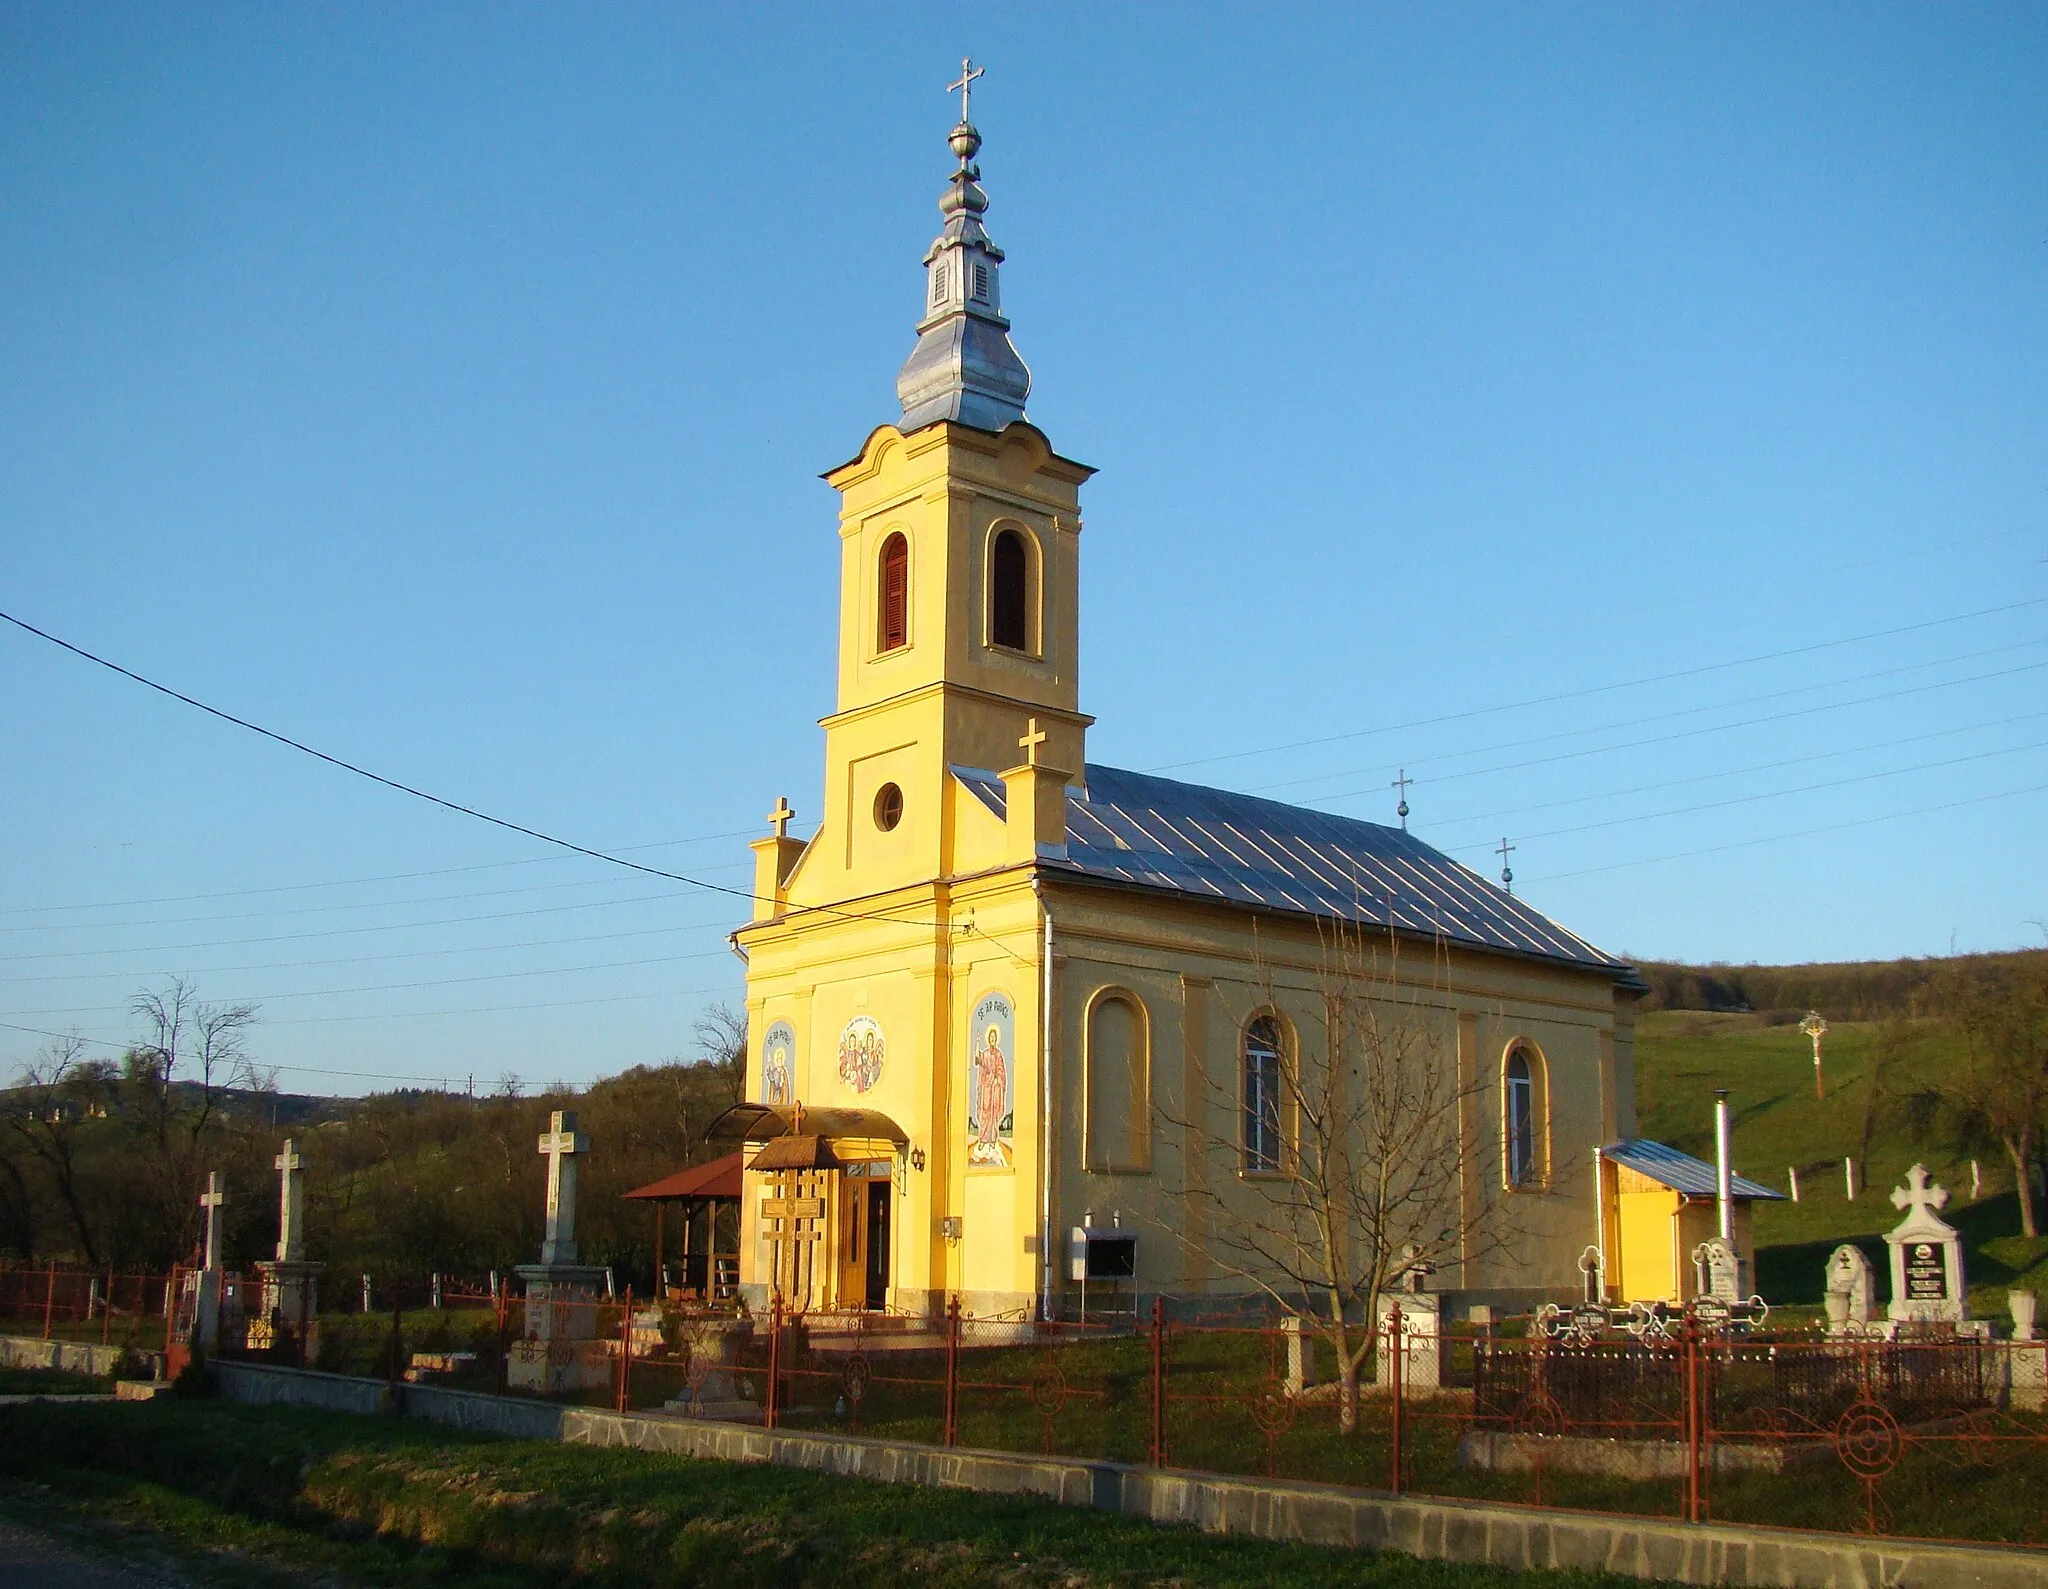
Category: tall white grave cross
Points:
column 291, row 1204
column 560, row 1142
column 212, row 1200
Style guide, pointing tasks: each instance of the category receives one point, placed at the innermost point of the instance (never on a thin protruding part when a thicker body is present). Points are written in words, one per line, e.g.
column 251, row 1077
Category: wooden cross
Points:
column 1917, row 1195
column 1401, row 783
column 212, row 1200
column 780, row 818
column 1814, row 1027
column 1507, row 878
column 1034, row 736
column 968, row 73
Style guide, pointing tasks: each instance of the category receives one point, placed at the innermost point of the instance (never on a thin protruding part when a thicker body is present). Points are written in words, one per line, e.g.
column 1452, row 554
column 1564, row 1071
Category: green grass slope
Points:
column 1766, row 1064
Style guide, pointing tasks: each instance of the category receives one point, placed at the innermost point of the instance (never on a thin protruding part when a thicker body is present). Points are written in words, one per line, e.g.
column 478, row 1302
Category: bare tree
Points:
column 1999, row 1095
column 721, row 1033
column 59, row 1092
column 1342, row 1166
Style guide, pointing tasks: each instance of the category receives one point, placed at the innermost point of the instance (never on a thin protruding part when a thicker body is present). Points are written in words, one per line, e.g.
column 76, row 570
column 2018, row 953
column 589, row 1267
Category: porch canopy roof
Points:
column 700, row 1183
column 764, row 1122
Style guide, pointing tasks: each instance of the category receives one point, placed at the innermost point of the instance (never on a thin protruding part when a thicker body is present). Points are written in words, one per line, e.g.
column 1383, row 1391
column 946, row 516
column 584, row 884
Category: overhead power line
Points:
column 1601, row 689
column 455, row 806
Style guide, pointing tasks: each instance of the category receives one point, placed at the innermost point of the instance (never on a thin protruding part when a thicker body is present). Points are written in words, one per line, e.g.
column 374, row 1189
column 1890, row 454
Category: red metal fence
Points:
column 73, row 1304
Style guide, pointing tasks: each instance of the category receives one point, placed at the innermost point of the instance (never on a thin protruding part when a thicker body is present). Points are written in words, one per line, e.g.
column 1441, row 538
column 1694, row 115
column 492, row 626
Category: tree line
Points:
column 102, row 1160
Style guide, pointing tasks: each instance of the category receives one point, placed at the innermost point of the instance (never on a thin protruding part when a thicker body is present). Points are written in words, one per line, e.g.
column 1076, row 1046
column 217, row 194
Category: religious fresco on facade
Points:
column 778, row 1062
column 860, row 1053
column 991, row 1082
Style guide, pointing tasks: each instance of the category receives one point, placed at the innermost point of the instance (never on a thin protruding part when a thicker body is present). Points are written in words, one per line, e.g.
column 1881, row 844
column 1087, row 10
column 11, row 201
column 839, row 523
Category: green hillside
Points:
column 1766, row 1063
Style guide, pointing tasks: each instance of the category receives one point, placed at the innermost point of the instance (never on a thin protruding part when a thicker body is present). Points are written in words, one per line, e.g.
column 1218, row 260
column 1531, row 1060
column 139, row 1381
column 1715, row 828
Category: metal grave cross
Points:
column 1401, row 783
column 968, row 73
column 1034, row 736
column 560, row 1142
column 212, row 1200
column 1507, row 878
column 291, row 1206
column 1917, row 1196
column 780, row 818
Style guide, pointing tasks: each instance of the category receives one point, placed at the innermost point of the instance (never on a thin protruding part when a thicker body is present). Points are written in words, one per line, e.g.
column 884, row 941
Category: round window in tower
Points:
column 888, row 807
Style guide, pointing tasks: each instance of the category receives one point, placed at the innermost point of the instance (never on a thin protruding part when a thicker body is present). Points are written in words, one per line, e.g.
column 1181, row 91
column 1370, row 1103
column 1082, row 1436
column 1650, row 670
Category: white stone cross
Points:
column 291, row 1205
column 1917, row 1197
column 212, row 1200
column 560, row 1142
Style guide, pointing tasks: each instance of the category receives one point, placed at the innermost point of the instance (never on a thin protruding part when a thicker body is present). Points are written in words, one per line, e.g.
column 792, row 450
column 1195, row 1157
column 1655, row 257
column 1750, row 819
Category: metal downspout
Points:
column 1045, row 1105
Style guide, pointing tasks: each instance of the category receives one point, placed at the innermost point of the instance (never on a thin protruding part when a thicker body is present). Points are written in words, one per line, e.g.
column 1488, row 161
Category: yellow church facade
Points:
column 1000, row 992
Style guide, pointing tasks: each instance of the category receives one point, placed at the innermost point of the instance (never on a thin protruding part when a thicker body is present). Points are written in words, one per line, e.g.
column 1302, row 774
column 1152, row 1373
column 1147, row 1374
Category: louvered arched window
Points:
column 1009, row 591
column 893, row 628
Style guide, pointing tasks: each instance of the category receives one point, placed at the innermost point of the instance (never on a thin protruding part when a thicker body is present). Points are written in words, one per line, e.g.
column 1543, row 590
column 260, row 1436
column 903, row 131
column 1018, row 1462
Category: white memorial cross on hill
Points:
column 561, row 1142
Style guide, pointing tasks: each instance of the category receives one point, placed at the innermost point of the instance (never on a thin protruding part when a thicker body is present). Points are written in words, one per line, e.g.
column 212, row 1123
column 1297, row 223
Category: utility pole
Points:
column 1813, row 1026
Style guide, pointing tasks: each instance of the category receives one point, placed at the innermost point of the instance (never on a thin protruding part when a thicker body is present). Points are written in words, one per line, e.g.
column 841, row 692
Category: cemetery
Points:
column 1699, row 1406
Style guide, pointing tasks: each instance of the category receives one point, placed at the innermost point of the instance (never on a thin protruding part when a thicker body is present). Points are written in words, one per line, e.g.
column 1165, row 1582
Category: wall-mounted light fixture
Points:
column 917, row 1158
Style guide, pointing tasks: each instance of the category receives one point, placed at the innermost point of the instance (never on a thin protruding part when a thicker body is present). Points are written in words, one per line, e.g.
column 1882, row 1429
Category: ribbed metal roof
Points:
column 1150, row 832
column 1681, row 1171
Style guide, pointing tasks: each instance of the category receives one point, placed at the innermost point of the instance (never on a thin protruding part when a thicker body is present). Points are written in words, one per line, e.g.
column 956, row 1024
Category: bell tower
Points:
column 959, row 537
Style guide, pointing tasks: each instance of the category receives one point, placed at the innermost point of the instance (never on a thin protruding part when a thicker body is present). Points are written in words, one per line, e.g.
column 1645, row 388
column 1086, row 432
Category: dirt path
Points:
column 29, row 1560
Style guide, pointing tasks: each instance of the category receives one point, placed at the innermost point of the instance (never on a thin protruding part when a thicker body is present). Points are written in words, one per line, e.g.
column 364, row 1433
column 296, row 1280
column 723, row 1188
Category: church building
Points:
column 1002, row 991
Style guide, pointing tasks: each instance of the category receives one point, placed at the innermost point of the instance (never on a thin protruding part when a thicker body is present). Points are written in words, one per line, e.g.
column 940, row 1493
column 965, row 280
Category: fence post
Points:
column 49, row 1299
column 626, row 1350
column 397, row 1340
column 1689, row 1338
column 774, row 1361
column 504, row 1343
column 1400, row 1374
column 107, row 1308
column 1159, row 1382
column 952, row 1429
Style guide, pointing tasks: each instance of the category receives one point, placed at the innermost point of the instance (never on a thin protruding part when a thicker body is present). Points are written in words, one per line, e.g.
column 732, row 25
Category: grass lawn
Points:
column 266, row 1495
column 51, row 1382
column 1683, row 1055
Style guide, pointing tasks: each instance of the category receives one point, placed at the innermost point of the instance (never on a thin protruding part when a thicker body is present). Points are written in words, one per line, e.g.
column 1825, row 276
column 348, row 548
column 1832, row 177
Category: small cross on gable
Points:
column 1034, row 736
column 1917, row 1198
column 780, row 818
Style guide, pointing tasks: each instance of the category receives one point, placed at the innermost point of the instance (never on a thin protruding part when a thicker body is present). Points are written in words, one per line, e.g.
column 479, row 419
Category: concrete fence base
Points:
column 76, row 1357
column 1515, row 1537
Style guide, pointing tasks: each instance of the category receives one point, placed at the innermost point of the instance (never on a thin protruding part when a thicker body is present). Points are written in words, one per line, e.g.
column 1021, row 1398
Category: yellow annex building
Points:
column 1001, row 992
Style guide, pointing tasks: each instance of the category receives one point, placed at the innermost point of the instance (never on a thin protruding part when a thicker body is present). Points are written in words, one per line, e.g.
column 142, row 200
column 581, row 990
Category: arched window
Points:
column 1009, row 591
column 894, row 627
column 1262, row 1095
column 1118, row 1085
column 1521, row 1119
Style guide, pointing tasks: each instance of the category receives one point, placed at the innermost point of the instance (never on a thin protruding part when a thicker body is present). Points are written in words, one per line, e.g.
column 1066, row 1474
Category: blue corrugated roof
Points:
column 1681, row 1171
column 1150, row 832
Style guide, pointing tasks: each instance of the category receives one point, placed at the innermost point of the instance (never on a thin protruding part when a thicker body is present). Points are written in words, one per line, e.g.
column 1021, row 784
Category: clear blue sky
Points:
column 447, row 386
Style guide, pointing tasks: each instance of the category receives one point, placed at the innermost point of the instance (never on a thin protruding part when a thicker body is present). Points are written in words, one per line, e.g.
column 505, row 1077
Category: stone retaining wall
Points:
column 1324, row 1514
column 76, row 1357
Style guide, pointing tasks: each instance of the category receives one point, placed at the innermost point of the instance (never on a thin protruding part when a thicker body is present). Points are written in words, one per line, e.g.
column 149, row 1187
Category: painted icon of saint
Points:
column 991, row 1092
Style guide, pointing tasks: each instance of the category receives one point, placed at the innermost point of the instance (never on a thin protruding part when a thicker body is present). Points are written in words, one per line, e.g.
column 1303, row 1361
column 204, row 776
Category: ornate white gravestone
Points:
column 291, row 1296
column 1719, row 1271
column 557, row 1351
column 1851, row 1284
column 1927, row 1256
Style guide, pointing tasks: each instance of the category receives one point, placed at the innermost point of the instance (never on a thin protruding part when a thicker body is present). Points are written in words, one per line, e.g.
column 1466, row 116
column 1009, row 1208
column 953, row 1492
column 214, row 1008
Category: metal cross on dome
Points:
column 1507, row 878
column 1401, row 783
column 968, row 73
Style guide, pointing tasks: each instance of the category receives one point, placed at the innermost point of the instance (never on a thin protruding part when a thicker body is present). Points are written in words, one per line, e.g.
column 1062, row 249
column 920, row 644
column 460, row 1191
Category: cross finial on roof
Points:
column 1401, row 783
column 1918, row 1195
column 780, row 818
column 1507, row 878
column 968, row 73
column 1034, row 736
